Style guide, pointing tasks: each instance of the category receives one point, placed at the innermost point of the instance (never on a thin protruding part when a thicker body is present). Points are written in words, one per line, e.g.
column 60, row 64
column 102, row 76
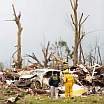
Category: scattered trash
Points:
column 12, row 100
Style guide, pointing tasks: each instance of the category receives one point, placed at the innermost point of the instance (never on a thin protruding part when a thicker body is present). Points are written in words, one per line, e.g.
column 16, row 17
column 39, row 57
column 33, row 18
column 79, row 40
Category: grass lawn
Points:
column 25, row 98
column 92, row 99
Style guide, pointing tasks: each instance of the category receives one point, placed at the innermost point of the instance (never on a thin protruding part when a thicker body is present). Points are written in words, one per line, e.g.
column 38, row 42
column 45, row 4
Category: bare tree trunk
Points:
column 99, row 55
column 47, row 55
column 19, row 30
column 83, row 56
column 80, row 56
column 19, row 58
column 74, row 18
column 77, row 25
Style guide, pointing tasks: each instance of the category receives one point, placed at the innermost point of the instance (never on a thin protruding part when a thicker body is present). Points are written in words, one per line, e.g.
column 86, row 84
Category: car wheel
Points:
column 36, row 84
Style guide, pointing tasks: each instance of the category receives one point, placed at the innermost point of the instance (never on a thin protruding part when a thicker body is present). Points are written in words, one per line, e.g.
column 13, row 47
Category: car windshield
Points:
column 49, row 73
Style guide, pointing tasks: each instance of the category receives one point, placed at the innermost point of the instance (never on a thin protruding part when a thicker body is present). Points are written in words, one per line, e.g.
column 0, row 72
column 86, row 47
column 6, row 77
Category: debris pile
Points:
column 89, row 80
column 91, row 77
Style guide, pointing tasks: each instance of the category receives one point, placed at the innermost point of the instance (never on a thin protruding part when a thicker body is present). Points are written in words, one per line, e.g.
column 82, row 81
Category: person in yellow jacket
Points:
column 68, row 82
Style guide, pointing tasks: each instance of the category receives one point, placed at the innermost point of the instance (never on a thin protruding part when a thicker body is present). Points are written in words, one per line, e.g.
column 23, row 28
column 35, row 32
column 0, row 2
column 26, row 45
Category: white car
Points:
column 25, row 80
column 42, row 77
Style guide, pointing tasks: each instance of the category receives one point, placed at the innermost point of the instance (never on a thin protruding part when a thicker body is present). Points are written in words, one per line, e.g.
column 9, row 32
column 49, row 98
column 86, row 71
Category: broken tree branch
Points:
column 35, row 58
column 84, row 20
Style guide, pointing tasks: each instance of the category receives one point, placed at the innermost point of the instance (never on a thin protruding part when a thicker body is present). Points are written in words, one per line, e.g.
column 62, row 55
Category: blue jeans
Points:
column 54, row 92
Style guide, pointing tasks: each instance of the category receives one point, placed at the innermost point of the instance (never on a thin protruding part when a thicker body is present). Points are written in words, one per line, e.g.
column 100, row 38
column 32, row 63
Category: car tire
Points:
column 36, row 85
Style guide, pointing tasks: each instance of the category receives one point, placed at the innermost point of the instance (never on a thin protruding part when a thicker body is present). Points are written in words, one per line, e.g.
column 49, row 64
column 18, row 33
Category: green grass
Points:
column 92, row 99
column 5, row 93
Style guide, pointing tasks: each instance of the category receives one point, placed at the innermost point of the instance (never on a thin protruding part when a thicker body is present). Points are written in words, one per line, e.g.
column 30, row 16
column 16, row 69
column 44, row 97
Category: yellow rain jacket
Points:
column 68, row 81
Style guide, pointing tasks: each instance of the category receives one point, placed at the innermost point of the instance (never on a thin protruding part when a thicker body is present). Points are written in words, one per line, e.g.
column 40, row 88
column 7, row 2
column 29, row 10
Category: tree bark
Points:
column 74, row 18
column 77, row 25
column 19, row 31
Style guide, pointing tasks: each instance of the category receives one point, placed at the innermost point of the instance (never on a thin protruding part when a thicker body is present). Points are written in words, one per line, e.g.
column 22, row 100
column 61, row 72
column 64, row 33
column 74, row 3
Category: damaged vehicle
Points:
column 24, row 81
column 38, row 78
column 42, row 77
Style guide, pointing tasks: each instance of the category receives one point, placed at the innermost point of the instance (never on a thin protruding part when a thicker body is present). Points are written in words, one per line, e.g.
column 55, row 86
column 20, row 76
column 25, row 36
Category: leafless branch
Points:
column 72, row 19
column 80, row 19
column 71, row 4
column 14, row 11
column 84, row 20
column 9, row 20
column 81, row 39
column 35, row 58
column 47, row 49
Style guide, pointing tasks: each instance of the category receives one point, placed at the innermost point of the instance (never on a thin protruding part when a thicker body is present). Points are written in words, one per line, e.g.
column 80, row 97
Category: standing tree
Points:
column 77, row 25
column 18, row 61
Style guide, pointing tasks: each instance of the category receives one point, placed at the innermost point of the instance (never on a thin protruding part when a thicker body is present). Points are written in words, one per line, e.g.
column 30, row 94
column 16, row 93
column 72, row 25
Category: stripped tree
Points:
column 46, row 55
column 18, row 61
column 77, row 26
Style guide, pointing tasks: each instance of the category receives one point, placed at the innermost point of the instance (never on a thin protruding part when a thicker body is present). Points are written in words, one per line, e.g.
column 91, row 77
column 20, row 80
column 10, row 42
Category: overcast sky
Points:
column 44, row 20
